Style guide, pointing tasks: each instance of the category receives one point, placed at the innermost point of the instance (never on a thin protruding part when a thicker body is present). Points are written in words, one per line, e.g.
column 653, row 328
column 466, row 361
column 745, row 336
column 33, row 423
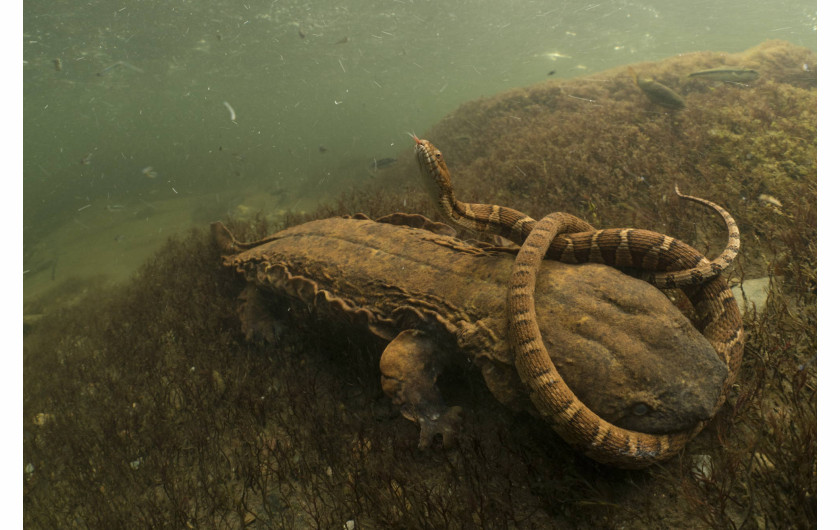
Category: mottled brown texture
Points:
column 575, row 241
column 558, row 404
column 618, row 341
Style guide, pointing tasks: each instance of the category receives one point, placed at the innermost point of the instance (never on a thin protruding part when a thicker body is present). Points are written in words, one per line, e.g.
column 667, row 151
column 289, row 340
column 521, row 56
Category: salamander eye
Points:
column 640, row 409
column 437, row 155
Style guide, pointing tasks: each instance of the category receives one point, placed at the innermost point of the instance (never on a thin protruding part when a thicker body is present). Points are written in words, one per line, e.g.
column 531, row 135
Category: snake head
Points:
column 433, row 167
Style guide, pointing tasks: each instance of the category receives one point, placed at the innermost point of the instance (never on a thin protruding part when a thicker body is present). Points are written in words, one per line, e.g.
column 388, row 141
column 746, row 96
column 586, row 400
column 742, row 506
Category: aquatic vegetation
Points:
column 161, row 414
column 145, row 404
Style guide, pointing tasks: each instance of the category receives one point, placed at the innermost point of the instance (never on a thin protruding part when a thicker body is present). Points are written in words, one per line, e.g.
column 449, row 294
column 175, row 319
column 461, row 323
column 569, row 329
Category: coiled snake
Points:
column 669, row 263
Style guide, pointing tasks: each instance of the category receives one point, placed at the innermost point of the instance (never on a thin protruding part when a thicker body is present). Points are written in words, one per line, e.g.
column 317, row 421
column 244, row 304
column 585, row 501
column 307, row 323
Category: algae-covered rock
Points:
column 596, row 147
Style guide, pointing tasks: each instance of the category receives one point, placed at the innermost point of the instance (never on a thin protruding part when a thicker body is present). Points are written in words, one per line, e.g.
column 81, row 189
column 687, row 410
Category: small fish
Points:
column 734, row 75
column 343, row 40
column 658, row 93
column 382, row 163
column 149, row 172
column 322, row 149
column 57, row 64
column 552, row 72
column 301, row 34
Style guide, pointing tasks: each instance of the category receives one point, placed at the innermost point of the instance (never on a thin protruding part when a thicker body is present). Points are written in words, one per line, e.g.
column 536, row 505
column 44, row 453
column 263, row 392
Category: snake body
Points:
column 572, row 240
column 676, row 263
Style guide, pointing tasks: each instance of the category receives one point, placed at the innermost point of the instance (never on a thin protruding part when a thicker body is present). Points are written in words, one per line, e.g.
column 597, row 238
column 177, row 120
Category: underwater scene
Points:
column 419, row 264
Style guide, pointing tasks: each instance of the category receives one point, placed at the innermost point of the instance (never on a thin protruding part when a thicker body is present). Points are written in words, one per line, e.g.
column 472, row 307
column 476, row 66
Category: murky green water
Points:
column 144, row 118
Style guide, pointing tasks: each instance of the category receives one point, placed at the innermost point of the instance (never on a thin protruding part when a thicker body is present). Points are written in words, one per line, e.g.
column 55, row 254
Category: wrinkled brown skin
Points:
column 619, row 343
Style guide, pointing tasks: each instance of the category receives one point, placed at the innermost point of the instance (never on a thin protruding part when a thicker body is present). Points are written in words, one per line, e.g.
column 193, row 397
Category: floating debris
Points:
column 149, row 172
column 770, row 200
column 343, row 40
column 86, row 160
column 732, row 75
column 117, row 65
column 232, row 112
column 554, row 56
column 658, row 93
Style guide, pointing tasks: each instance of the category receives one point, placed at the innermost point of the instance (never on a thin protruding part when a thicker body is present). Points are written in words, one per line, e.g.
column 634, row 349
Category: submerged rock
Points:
column 752, row 293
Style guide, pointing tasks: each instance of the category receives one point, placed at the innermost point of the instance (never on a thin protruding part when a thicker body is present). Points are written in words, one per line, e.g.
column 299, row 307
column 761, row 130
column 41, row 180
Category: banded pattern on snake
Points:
column 685, row 267
column 677, row 264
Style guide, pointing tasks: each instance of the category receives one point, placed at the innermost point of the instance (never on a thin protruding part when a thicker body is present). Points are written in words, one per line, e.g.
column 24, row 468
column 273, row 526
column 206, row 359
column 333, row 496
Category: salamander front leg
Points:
column 258, row 321
column 410, row 369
